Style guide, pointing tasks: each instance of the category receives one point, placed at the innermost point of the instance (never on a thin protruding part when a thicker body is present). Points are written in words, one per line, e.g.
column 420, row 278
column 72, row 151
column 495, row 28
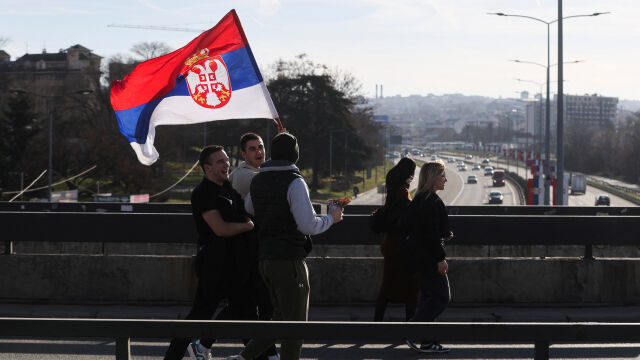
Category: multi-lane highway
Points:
column 458, row 192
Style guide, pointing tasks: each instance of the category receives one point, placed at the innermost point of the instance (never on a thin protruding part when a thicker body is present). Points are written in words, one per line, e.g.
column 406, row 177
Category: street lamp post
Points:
column 548, row 108
column 48, row 103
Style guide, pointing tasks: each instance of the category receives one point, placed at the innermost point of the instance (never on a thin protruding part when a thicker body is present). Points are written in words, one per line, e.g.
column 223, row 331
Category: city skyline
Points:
column 410, row 47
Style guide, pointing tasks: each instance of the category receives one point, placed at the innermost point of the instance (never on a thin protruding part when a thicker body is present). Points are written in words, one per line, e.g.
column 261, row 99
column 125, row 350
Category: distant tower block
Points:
column 376, row 91
column 381, row 96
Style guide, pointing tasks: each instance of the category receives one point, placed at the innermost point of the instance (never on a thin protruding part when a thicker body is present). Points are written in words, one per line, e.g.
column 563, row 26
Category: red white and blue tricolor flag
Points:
column 214, row 77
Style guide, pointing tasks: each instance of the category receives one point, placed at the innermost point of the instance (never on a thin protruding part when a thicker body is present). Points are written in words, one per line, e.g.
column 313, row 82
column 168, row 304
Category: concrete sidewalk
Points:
column 455, row 313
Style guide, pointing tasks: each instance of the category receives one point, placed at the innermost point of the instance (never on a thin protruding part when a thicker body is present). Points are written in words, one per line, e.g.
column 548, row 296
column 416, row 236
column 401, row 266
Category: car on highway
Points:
column 434, row 157
column 485, row 161
column 468, row 157
column 476, row 167
column 495, row 197
column 603, row 199
column 472, row 179
column 488, row 171
column 451, row 160
column 462, row 167
column 498, row 178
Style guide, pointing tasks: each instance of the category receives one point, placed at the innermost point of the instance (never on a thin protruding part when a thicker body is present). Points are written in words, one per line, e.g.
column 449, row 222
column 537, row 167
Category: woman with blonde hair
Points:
column 430, row 229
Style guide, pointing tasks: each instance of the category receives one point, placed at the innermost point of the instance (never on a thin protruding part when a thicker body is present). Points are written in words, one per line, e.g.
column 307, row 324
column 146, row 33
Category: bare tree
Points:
column 3, row 41
column 149, row 50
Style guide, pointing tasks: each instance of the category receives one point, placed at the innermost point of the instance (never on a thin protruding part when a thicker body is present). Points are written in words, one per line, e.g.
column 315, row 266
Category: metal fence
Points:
column 540, row 334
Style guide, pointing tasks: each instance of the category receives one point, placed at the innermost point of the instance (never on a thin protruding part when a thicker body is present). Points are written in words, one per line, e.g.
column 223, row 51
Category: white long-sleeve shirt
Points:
column 306, row 219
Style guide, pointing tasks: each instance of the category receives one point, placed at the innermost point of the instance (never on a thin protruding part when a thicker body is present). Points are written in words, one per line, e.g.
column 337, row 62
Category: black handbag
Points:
column 378, row 220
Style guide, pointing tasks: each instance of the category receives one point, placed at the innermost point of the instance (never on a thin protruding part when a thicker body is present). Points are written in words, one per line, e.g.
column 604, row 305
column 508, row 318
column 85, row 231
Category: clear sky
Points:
column 409, row 46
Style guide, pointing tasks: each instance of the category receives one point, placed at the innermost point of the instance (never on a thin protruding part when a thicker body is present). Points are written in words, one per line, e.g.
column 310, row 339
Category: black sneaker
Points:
column 433, row 348
column 412, row 345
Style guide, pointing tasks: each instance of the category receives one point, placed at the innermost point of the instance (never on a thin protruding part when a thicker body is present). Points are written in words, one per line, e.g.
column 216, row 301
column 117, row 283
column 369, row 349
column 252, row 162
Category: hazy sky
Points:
column 409, row 46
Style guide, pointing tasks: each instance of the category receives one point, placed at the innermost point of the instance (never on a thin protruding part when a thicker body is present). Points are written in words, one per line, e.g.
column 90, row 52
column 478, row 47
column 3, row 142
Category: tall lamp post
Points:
column 48, row 102
column 548, row 108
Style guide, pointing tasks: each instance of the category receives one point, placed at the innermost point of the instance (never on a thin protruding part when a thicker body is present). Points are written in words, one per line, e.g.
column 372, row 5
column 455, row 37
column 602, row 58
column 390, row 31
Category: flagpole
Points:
column 280, row 128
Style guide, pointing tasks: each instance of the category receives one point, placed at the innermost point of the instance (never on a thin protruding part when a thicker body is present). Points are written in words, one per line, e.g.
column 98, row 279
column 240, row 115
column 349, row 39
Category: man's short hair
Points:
column 206, row 152
column 244, row 139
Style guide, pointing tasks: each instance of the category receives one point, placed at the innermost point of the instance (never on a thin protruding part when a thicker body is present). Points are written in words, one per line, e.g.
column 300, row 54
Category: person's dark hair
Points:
column 244, row 139
column 397, row 177
column 284, row 146
column 206, row 152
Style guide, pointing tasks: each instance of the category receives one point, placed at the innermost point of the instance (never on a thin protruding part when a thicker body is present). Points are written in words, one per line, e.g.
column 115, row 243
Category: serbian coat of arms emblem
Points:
column 208, row 80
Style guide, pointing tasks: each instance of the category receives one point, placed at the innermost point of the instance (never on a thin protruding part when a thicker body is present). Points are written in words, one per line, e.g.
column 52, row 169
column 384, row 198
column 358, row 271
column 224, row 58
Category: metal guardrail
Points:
column 89, row 207
column 541, row 334
column 354, row 230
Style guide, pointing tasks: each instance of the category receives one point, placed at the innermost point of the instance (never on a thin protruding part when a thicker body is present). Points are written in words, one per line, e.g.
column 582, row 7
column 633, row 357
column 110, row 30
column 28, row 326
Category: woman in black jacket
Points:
column 398, row 283
column 430, row 227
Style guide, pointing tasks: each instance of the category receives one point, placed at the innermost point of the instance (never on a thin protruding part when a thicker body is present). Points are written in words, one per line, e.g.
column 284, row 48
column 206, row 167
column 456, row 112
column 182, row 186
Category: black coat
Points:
column 430, row 225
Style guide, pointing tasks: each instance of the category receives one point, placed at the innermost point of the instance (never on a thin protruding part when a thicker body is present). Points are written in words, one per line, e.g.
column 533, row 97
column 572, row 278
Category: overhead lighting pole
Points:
column 548, row 106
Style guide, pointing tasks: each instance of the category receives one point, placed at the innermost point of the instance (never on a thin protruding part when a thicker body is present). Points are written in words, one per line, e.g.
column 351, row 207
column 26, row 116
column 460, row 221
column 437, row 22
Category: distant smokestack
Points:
column 376, row 91
column 381, row 96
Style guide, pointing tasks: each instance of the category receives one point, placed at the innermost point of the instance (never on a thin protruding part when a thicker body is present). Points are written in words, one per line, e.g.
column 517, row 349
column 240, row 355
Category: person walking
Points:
column 221, row 270
column 253, row 152
column 429, row 227
column 399, row 284
column 284, row 218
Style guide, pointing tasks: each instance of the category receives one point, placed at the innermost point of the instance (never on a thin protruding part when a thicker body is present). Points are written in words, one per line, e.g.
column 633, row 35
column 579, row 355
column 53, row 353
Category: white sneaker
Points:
column 198, row 352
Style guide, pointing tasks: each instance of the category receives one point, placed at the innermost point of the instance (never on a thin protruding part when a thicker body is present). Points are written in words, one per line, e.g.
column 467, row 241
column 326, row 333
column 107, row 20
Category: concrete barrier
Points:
column 170, row 279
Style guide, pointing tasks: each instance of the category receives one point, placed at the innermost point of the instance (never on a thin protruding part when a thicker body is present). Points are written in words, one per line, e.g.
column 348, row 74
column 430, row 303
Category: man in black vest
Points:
column 285, row 218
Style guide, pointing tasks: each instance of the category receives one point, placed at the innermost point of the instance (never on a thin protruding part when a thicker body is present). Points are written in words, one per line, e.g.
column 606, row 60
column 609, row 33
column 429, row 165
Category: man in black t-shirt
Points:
column 221, row 270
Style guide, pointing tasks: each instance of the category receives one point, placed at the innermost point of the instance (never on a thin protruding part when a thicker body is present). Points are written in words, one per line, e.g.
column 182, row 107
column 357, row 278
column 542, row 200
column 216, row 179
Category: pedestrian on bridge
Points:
column 399, row 283
column 253, row 152
column 222, row 270
column 430, row 228
column 284, row 216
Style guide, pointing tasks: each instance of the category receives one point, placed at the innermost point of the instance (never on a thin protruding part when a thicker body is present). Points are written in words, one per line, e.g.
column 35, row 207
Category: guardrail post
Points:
column 8, row 247
column 123, row 349
column 588, row 252
column 541, row 350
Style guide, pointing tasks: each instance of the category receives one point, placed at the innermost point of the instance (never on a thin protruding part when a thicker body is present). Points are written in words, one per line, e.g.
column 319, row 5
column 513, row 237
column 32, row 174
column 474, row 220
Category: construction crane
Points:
column 151, row 27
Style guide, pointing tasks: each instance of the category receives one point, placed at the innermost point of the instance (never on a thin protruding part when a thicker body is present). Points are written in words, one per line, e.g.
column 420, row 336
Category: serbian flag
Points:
column 214, row 77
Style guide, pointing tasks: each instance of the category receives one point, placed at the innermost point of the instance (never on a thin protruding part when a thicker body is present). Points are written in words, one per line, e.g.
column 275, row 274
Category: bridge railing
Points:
column 541, row 334
column 349, row 210
column 179, row 228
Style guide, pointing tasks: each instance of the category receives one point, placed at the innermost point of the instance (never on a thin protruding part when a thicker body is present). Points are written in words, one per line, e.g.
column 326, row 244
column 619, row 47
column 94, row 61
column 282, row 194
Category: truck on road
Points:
column 578, row 183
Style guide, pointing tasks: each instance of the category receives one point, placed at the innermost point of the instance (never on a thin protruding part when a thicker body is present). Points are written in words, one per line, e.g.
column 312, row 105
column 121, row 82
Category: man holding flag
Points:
column 213, row 77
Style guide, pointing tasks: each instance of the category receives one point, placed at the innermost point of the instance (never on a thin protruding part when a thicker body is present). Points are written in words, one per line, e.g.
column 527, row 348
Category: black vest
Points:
column 279, row 237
